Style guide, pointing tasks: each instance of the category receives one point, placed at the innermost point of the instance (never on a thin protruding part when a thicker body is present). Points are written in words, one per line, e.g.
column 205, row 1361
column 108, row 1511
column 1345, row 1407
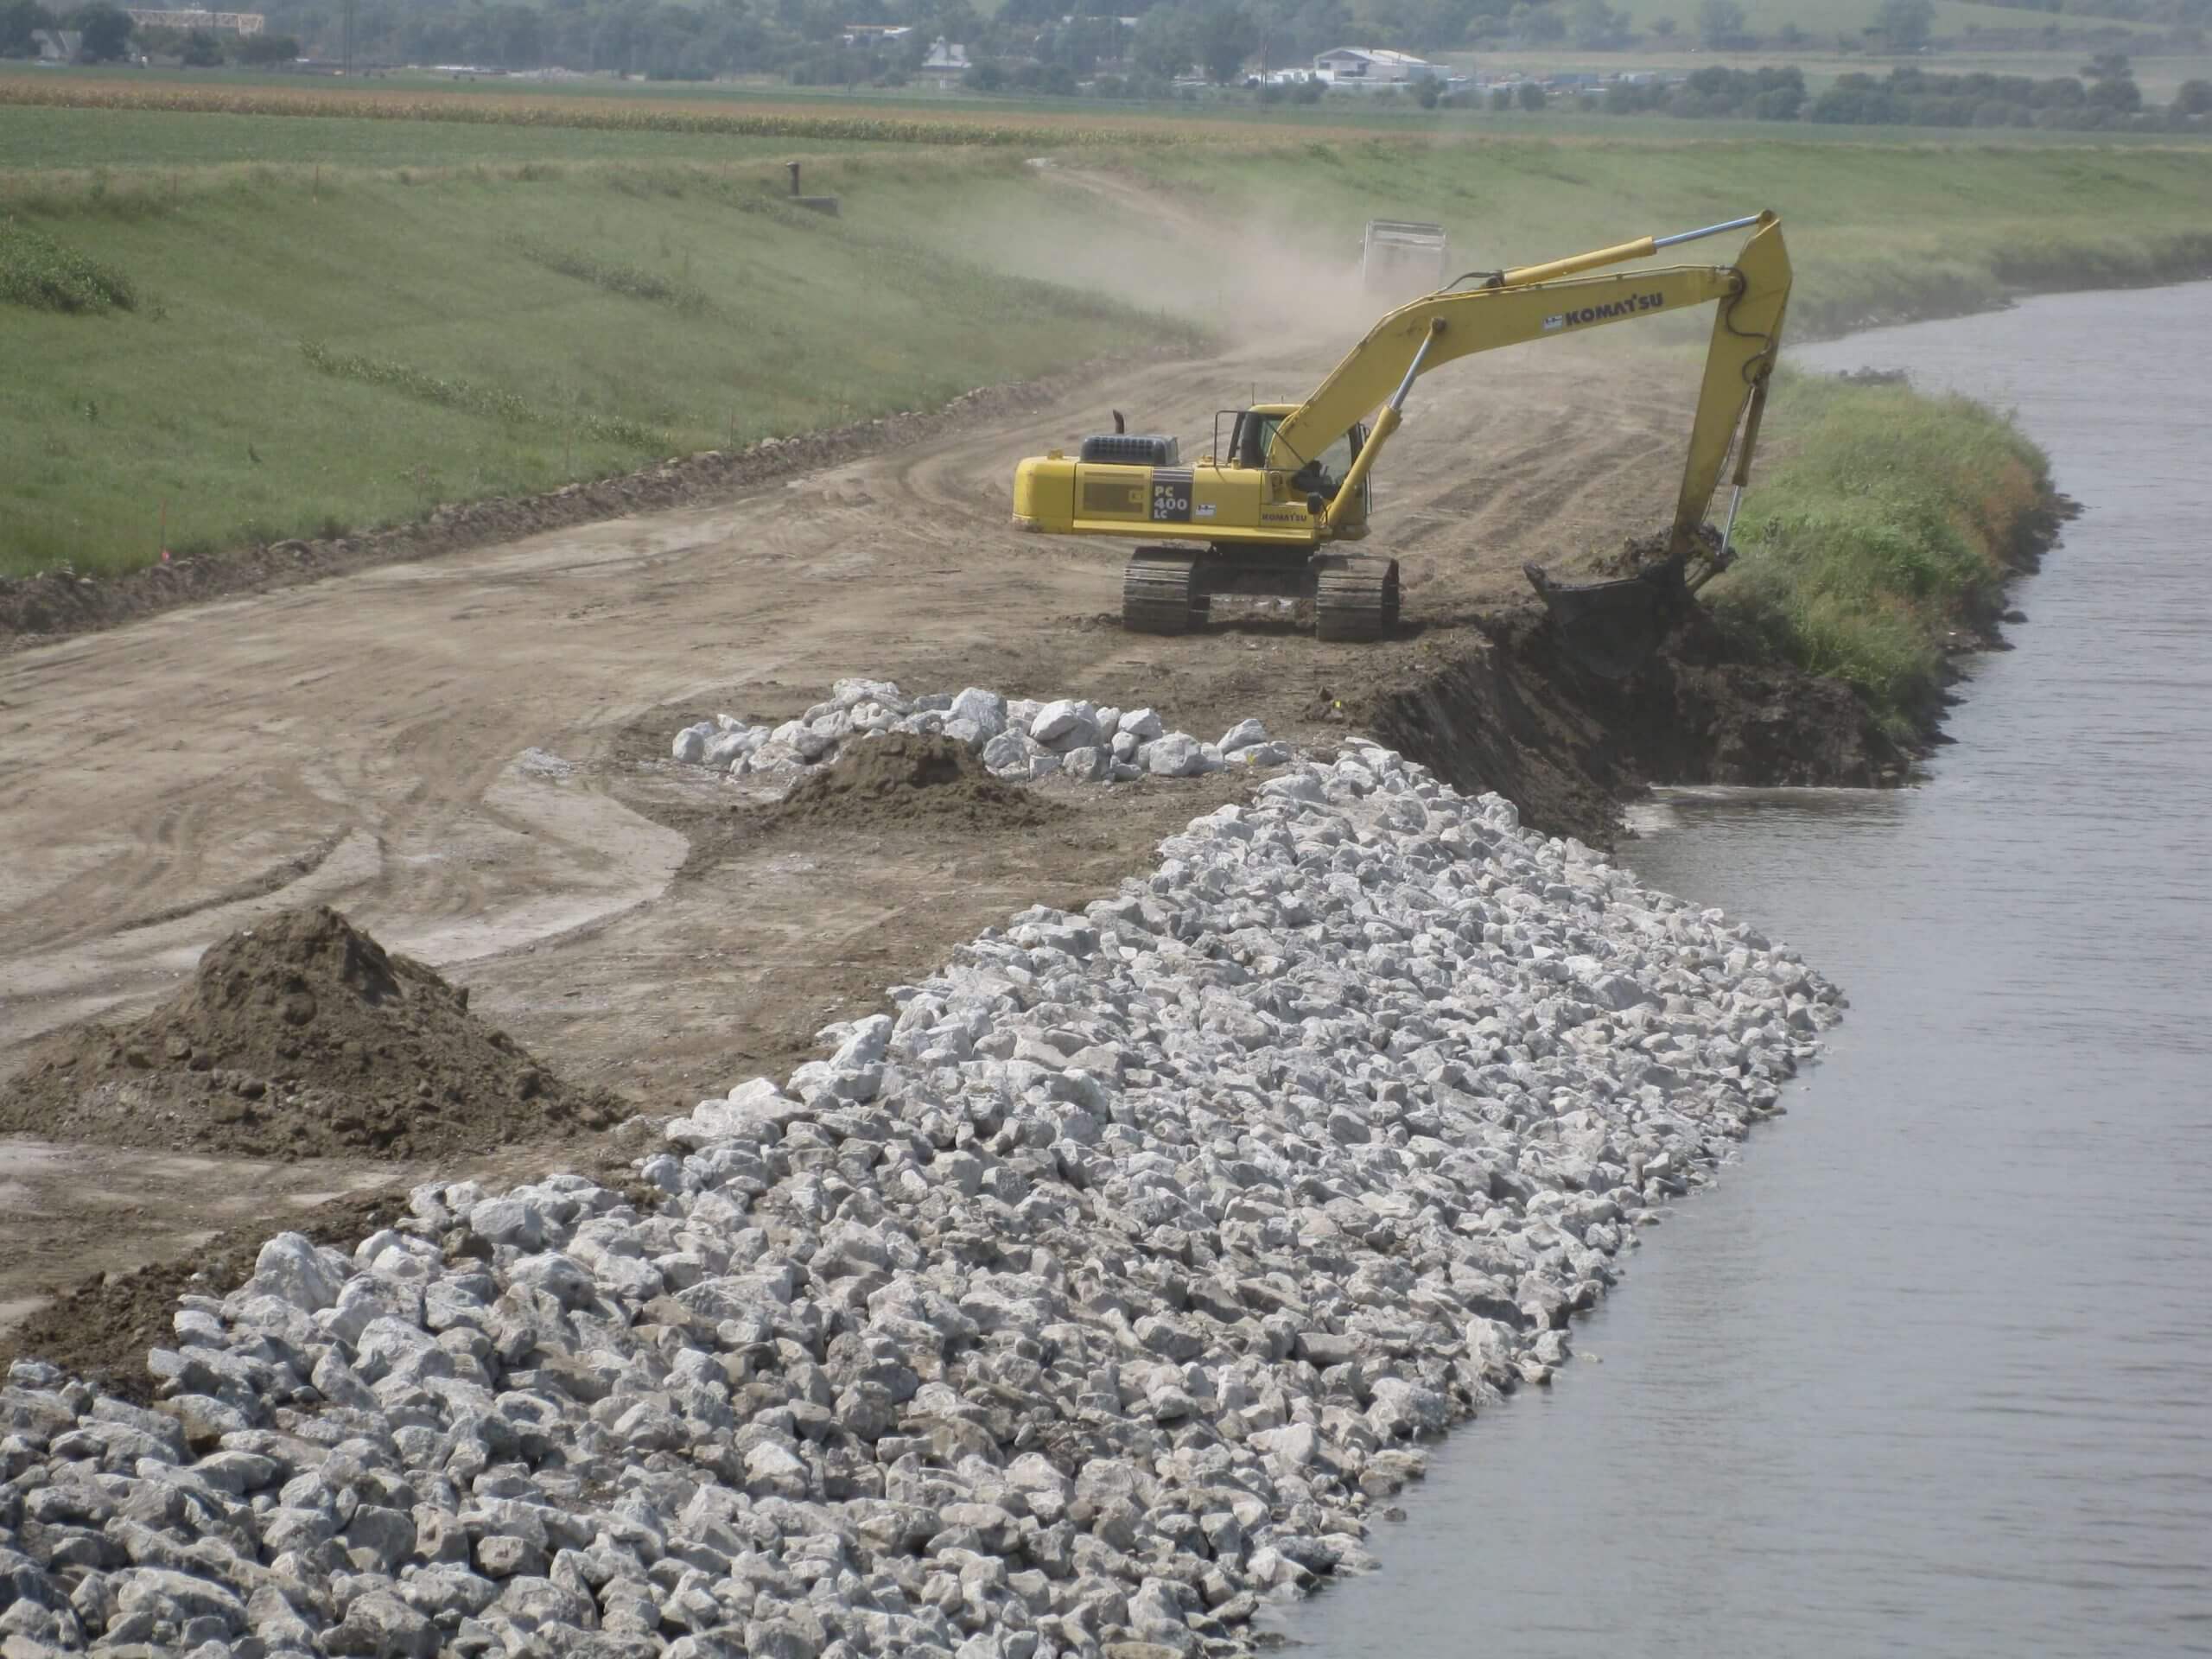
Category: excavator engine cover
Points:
column 1129, row 449
column 1611, row 628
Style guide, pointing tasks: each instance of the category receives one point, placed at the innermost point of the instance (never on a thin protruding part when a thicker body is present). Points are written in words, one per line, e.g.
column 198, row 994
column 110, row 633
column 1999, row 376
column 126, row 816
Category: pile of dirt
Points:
column 900, row 778
column 300, row 1037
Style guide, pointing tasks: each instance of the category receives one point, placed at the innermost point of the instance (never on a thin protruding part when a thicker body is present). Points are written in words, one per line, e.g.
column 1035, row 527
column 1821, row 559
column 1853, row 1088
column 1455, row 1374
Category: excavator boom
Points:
column 1546, row 302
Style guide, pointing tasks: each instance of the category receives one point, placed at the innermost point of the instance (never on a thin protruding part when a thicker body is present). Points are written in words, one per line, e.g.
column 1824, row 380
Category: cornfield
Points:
column 38, row 271
column 602, row 114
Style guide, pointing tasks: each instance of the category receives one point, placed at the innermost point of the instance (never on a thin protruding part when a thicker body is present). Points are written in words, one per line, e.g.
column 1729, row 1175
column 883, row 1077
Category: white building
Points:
column 221, row 22
column 947, row 61
column 1357, row 66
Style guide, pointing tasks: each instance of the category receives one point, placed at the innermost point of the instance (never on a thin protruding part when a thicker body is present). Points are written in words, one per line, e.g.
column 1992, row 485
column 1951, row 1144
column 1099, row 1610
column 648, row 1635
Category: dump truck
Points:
column 1402, row 258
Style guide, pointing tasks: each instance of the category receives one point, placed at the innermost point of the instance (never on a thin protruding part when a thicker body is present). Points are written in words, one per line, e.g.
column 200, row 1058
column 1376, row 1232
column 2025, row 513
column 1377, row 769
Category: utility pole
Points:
column 349, row 39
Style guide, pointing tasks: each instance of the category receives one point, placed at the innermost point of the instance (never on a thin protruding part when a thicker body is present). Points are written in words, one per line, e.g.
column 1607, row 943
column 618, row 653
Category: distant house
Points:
column 222, row 23
column 1358, row 65
column 875, row 34
column 945, row 62
column 58, row 45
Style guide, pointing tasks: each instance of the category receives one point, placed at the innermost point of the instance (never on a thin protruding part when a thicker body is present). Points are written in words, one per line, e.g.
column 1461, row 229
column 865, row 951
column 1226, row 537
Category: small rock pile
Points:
column 1019, row 739
column 1093, row 1299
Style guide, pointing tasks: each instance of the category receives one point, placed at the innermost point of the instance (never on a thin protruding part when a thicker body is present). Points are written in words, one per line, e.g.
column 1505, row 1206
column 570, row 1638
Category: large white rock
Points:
column 734, row 745
column 1243, row 734
column 1006, row 753
column 986, row 709
column 1088, row 766
column 1178, row 755
column 290, row 1266
column 1065, row 725
column 850, row 693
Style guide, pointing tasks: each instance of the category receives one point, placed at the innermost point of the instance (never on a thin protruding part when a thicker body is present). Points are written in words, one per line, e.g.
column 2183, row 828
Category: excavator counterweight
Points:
column 1266, row 511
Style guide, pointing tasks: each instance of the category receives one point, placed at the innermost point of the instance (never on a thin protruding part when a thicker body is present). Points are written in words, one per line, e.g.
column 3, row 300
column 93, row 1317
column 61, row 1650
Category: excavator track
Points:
column 1160, row 592
column 1355, row 598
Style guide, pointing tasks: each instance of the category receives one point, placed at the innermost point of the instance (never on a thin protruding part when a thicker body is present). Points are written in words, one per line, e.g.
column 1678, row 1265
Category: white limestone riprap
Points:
column 1090, row 1300
column 1019, row 740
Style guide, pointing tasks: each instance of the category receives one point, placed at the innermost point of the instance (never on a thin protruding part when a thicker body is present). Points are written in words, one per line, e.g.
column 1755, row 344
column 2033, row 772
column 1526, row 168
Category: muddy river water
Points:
column 1930, row 1372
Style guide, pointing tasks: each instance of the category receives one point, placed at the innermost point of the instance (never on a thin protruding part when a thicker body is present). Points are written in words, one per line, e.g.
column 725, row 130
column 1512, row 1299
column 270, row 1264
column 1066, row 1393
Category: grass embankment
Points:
column 1889, row 521
column 304, row 358
column 270, row 326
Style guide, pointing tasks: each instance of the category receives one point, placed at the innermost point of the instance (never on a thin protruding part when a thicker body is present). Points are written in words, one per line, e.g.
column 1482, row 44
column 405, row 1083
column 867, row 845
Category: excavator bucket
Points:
column 1611, row 628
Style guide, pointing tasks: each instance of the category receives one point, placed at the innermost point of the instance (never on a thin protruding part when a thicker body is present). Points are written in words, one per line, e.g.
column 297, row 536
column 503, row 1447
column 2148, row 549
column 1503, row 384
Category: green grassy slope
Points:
column 495, row 335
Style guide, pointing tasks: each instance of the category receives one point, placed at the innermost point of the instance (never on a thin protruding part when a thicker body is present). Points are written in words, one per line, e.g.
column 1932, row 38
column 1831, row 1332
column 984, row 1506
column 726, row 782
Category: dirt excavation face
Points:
column 300, row 1037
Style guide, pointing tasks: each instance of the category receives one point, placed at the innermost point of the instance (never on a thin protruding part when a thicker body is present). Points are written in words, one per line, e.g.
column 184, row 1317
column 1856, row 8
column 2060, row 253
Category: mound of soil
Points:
column 899, row 778
column 300, row 1037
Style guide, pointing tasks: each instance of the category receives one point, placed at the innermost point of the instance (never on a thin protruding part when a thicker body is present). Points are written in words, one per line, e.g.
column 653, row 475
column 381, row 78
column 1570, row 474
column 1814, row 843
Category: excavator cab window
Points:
column 1255, row 432
column 1323, row 475
column 1326, row 471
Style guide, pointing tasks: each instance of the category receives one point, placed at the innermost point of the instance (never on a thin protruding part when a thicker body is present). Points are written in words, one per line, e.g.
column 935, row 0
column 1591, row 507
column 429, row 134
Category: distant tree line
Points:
column 1755, row 94
column 2168, row 12
column 2104, row 95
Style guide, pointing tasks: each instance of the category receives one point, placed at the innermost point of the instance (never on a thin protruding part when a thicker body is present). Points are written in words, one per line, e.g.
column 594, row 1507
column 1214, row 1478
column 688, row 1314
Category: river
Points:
column 1930, row 1372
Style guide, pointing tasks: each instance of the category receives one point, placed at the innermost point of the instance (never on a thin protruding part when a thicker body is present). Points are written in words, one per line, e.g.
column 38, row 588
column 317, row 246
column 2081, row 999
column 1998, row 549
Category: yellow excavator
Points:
column 1271, row 512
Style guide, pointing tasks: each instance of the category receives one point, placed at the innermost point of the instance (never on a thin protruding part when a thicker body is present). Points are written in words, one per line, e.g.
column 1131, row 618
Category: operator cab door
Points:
column 1323, row 475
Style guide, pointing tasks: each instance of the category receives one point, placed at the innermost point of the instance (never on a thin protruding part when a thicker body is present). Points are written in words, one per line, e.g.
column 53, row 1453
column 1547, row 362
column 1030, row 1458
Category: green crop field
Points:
column 251, row 326
column 34, row 140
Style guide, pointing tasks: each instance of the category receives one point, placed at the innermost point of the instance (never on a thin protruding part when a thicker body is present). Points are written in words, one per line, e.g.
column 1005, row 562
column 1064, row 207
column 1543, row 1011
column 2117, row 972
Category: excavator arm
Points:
column 1553, row 301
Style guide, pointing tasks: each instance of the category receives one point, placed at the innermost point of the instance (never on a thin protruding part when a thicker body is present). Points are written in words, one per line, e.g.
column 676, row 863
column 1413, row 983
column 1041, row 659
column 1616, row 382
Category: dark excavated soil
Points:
column 899, row 778
column 300, row 1037
column 899, row 782
column 1518, row 715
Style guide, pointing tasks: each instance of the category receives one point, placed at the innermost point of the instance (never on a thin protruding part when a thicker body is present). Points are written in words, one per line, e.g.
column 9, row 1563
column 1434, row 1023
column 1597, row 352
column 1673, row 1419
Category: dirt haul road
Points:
column 468, row 755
